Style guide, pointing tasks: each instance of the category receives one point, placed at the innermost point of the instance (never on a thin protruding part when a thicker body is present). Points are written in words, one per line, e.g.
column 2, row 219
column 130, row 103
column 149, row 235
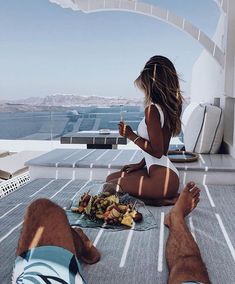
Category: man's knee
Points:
column 41, row 205
column 41, row 202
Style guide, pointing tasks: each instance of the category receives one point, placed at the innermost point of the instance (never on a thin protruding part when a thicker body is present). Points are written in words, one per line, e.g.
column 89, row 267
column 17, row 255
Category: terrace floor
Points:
column 128, row 256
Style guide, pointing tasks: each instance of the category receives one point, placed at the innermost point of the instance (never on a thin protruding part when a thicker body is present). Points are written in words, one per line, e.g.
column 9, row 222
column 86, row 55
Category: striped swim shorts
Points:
column 47, row 264
column 191, row 282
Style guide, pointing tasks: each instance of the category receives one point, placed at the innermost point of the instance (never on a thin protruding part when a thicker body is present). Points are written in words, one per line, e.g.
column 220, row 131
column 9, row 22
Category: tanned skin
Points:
column 182, row 253
column 46, row 224
column 160, row 185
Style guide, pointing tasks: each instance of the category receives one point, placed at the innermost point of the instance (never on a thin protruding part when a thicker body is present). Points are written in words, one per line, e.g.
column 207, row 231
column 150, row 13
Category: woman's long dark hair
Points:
column 160, row 83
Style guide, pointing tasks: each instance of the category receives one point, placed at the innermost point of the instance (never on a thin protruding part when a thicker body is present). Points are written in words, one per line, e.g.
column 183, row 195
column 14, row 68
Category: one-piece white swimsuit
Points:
column 149, row 159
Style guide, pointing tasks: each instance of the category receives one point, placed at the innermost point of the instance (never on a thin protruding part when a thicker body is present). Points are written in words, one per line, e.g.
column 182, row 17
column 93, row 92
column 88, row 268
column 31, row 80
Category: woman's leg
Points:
column 162, row 183
column 115, row 175
column 167, row 178
column 121, row 178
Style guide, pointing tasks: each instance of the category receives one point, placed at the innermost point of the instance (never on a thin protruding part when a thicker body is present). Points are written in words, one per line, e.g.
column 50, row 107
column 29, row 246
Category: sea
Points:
column 51, row 125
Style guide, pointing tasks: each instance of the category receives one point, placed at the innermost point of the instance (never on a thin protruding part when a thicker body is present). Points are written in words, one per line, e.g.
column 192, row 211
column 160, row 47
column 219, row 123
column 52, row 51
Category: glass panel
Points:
column 51, row 125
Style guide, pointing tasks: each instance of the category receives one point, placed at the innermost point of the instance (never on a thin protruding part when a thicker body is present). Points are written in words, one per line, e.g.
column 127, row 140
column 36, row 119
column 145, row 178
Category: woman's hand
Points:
column 131, row 168
column 125, row 130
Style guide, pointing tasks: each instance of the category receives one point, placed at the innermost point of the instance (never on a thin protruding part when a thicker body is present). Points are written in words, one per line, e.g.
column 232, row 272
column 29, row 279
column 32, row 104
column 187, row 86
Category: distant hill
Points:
column 62, row 101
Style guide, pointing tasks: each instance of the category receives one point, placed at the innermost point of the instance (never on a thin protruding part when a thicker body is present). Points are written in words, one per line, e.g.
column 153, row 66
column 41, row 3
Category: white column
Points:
column 230, row 51
column 229, row 111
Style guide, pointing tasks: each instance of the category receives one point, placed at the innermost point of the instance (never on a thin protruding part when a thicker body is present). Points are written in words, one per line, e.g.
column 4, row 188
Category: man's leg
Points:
column 182, row 253
column 45, row 224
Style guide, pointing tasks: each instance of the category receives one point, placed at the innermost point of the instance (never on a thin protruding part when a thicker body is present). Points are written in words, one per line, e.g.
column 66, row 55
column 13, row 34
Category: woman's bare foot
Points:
column 186, row 202
column 112, row 187
column 161, row 202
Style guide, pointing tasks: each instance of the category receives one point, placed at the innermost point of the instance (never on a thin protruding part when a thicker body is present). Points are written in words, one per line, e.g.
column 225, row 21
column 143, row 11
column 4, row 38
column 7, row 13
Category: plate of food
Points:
column 98, row 204
column 107, row 208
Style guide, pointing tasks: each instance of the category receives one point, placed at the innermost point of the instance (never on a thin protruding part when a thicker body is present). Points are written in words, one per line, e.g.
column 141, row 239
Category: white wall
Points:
column 207, row 79
column 230, row 79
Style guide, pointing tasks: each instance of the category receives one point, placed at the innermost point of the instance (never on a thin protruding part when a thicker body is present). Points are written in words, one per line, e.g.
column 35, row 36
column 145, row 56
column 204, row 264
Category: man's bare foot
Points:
column 186, row 202
column 84, row 247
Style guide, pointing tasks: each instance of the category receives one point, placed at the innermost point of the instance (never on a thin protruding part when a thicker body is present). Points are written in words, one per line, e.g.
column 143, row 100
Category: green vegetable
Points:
column 88, row 208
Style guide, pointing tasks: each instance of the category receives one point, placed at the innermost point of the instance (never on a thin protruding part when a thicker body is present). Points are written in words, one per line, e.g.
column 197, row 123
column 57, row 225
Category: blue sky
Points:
column 48, row 50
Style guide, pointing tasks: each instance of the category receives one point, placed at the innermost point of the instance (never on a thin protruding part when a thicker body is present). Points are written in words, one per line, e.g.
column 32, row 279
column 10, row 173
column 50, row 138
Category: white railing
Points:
column 13, row 184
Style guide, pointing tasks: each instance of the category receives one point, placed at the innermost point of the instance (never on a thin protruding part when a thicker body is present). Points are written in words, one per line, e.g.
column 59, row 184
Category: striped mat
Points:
column 131, row 256
column 115, row 159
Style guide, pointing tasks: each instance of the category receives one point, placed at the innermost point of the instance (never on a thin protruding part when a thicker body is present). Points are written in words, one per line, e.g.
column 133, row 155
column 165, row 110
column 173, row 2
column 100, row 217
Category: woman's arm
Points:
column 155, row 145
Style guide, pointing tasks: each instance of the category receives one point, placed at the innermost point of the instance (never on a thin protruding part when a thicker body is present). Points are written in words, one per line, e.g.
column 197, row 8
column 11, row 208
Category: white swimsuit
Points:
column 149, row 159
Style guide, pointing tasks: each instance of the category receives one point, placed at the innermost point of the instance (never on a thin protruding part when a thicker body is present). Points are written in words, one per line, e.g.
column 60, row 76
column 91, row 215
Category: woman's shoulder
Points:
column 149, row 107
column 154, row 108
column 154, row 111
column 151, row 111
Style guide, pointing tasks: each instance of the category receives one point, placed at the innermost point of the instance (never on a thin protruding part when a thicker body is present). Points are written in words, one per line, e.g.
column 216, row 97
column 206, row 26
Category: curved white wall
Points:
column 207, row 79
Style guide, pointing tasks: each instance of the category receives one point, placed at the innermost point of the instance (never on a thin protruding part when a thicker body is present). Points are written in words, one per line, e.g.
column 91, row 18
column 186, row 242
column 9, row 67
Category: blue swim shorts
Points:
column 191, row 282
column 47, row 264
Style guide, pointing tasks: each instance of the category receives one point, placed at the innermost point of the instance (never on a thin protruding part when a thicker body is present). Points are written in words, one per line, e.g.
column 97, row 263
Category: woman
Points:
column 158, row 183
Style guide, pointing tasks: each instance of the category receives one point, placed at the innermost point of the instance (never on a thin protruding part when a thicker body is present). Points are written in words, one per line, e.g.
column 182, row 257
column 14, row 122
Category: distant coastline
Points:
column 64, row 102
column 60, row 102
column 52, row 117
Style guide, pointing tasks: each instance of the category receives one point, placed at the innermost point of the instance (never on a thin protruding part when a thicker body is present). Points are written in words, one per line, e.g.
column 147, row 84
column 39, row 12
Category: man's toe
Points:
column 195, row 191
column 189, row 186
